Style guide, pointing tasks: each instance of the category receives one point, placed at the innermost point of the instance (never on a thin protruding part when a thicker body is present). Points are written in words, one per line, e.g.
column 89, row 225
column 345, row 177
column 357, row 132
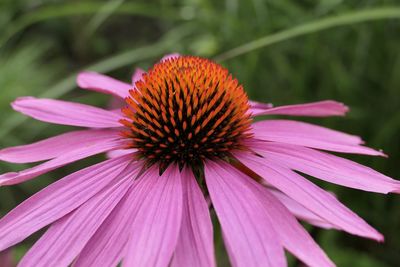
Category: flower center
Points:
column 185, row 110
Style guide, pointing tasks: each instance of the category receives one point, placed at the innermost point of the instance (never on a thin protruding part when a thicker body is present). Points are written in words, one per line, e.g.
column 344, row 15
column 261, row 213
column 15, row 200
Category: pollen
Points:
column 185, row 110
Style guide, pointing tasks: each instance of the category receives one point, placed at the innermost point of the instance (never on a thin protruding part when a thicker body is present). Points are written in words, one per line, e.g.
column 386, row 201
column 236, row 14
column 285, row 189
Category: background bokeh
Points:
column 294, row 51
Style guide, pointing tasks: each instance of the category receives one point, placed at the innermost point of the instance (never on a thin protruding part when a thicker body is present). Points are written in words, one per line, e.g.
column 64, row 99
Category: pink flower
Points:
column 185, row 139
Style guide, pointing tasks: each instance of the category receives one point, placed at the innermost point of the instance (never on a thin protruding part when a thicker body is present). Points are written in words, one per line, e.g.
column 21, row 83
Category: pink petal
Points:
column 11, row 178
column 56, row 146
column 315, row 109
column 137, row 75
column 66, row 113
column 305, row 134
column 329, row 168
column 195, row 244
column 120, row 152
column 301, row 212
column 107, row 246
column 169, row 56
column 300, row 130
column 102, row 83
column 66, row 237
column 309, row 195
column 57, row 200
column 292, row 235
column 248, row 232
column 155, row 229
column 118, row 111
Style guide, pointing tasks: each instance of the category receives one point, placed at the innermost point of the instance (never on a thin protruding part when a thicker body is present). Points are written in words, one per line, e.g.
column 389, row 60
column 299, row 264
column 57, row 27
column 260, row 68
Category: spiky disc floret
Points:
column 186, row 109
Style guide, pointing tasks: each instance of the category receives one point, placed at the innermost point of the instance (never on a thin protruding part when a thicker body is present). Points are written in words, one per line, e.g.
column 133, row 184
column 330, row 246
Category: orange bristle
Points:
column 185, row 110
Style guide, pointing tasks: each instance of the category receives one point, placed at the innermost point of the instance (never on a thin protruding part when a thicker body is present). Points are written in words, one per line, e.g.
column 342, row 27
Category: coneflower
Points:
column 184, row 143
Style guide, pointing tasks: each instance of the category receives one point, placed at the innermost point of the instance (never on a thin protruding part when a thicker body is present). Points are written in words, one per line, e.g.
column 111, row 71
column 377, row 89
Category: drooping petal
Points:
column 247, row 230
column 57, row 200
column 329, row 168
column 108, row 244
column 301, row 212
column 66, row 113
column 137, row 75
column 11, row 178
column 155, row 229
column 314, row 109
column 292, row 235
column 195, row 244
column 56, row 146
column 169, row 56
column 102, row 83
column 305, row 134
column 309, row 195
column 65, row 238
column 297, row 129
column 119, row 152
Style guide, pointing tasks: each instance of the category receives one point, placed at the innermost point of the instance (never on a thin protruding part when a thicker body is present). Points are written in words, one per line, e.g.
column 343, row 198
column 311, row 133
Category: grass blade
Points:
column 312, row 27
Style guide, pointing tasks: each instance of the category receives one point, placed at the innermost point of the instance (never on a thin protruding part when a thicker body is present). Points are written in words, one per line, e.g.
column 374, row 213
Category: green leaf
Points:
column 312, row 27
column 85, row 8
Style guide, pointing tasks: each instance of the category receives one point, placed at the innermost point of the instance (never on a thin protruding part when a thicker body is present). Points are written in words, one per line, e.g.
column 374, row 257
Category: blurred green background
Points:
column 290, row 51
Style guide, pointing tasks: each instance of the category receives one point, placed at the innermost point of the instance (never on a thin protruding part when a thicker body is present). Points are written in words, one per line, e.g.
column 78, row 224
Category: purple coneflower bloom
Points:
column 184, row 143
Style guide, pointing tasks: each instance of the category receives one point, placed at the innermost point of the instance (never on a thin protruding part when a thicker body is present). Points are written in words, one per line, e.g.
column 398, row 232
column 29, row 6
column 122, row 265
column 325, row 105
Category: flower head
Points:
column 185, row 111
column 184, row 139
